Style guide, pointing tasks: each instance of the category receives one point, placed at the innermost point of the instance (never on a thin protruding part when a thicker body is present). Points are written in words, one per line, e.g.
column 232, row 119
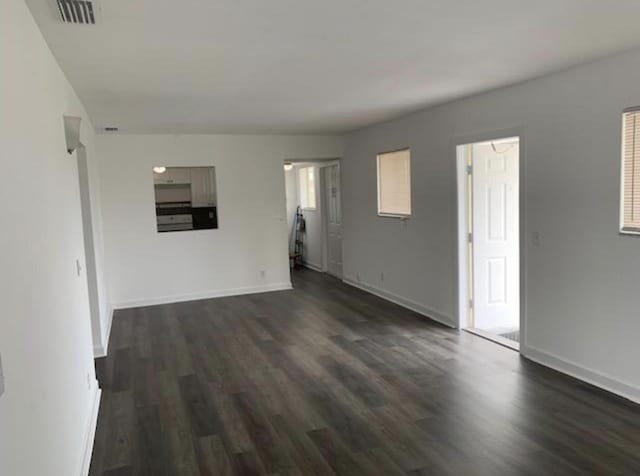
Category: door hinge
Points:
column 470, row 303
column 469, row 169
column 470, row 237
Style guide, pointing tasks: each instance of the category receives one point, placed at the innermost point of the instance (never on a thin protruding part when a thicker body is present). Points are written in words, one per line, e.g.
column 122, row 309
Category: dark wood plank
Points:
column 335, row 454
column 212, row 456
column 124, row 471
column 202, row 415
column 327, row 379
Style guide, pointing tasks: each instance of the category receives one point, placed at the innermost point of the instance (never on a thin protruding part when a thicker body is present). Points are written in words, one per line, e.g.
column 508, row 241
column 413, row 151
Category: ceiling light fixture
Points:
column 159, row 170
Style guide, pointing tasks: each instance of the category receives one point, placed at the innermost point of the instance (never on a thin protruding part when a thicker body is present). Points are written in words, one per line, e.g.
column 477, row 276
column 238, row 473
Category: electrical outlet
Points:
column 1, row 378
column 357, row 276
column 263, row 273
column 382, row 277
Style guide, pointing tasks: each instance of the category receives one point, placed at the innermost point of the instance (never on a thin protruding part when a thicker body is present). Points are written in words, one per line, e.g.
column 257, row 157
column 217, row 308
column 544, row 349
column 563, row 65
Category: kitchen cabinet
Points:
column 203, row 187
column 173, row 175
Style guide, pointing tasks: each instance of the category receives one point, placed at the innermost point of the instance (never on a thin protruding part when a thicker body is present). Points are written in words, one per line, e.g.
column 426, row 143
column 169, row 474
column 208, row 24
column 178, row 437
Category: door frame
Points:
column 320, row 163
column 90, row 262
column 460, row 224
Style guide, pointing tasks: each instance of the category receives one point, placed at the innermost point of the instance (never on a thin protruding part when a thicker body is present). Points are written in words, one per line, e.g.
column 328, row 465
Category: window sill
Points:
column 394, row 215
column 630, row 231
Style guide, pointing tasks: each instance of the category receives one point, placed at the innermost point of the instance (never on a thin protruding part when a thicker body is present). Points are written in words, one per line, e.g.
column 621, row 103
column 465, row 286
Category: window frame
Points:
column 306, row 187
column 622, row 229
column 380, row 213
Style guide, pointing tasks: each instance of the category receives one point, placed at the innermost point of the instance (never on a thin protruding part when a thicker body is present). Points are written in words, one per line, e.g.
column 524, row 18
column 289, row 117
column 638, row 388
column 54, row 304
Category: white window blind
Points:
column 631, row 171
column 307, row 187
column 394, row 183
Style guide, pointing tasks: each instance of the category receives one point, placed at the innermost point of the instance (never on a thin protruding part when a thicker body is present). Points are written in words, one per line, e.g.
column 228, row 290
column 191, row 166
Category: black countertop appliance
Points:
column 204, row 218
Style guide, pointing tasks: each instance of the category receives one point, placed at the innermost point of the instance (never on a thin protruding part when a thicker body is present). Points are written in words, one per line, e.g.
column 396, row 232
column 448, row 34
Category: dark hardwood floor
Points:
column 326, row 379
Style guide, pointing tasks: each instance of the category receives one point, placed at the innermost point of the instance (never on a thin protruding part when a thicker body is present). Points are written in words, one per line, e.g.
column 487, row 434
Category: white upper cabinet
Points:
column 173, row 175
column 203, row 183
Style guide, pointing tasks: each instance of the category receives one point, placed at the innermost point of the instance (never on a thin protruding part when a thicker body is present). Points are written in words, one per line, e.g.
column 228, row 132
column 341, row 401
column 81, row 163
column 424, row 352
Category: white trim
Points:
column 380, row 213
column 414, row 306
column 516, row 132
column 203, row 295
column 103, row 348
column 324, row 217
column 90, row 433
column 621, row 210
column 313, row 266
column 624, row 390
column 621, row 228
column 463, row 235
column 629, row 232
column 400, row 216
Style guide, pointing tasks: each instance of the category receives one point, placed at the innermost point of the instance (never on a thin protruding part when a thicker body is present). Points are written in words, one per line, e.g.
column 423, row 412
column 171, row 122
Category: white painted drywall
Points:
column 581, row 286
column 147, row 267
column 291, row 199
column 45, row 330
column 312, row 245
column 312, row 237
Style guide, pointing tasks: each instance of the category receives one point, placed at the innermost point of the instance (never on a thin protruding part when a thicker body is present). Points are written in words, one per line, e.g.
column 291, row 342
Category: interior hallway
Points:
column 327, row 379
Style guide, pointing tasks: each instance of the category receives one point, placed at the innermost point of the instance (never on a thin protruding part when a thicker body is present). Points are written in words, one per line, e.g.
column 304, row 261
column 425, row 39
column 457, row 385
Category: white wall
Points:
column 47, row 409
column 147, row 267
column 291, row 199
column 312, row 245
column 312, row 238
column 581, row 289
column 101, row 312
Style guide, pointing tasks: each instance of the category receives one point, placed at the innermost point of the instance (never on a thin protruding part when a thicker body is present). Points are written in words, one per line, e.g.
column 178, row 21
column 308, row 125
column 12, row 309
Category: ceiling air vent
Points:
column 77, row 11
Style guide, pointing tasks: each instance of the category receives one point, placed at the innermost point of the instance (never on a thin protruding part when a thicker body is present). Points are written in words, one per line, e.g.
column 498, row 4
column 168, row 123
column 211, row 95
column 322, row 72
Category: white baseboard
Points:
column 103, row 349
column 541, row 357
column 203, row 295
column 90, row 431
column 438, row 316
column 597, row 379
column 312, row 266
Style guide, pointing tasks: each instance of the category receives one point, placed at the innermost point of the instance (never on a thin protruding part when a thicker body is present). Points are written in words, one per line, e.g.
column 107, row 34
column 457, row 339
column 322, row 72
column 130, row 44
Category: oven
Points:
column 174, row 216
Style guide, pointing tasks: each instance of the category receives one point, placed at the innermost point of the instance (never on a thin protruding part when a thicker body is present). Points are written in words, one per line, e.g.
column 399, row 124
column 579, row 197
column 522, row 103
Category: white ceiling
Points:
column 316, row 66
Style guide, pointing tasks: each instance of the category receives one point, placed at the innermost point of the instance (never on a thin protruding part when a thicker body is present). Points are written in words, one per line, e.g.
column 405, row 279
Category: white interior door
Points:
column 496, row 243
column 334, row 220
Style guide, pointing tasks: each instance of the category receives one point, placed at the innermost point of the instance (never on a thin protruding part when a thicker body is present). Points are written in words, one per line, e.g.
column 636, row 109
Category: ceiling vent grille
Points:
column 77, row 11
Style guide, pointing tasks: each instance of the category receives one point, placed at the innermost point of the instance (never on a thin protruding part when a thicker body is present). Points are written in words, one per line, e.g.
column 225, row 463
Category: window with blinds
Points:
column 630, row 215
column 307, row 188
column 394, row 183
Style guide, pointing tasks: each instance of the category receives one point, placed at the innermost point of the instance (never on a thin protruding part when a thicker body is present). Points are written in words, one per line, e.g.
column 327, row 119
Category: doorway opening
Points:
column 489, row 239
column 90, row 264
column 314, row 214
